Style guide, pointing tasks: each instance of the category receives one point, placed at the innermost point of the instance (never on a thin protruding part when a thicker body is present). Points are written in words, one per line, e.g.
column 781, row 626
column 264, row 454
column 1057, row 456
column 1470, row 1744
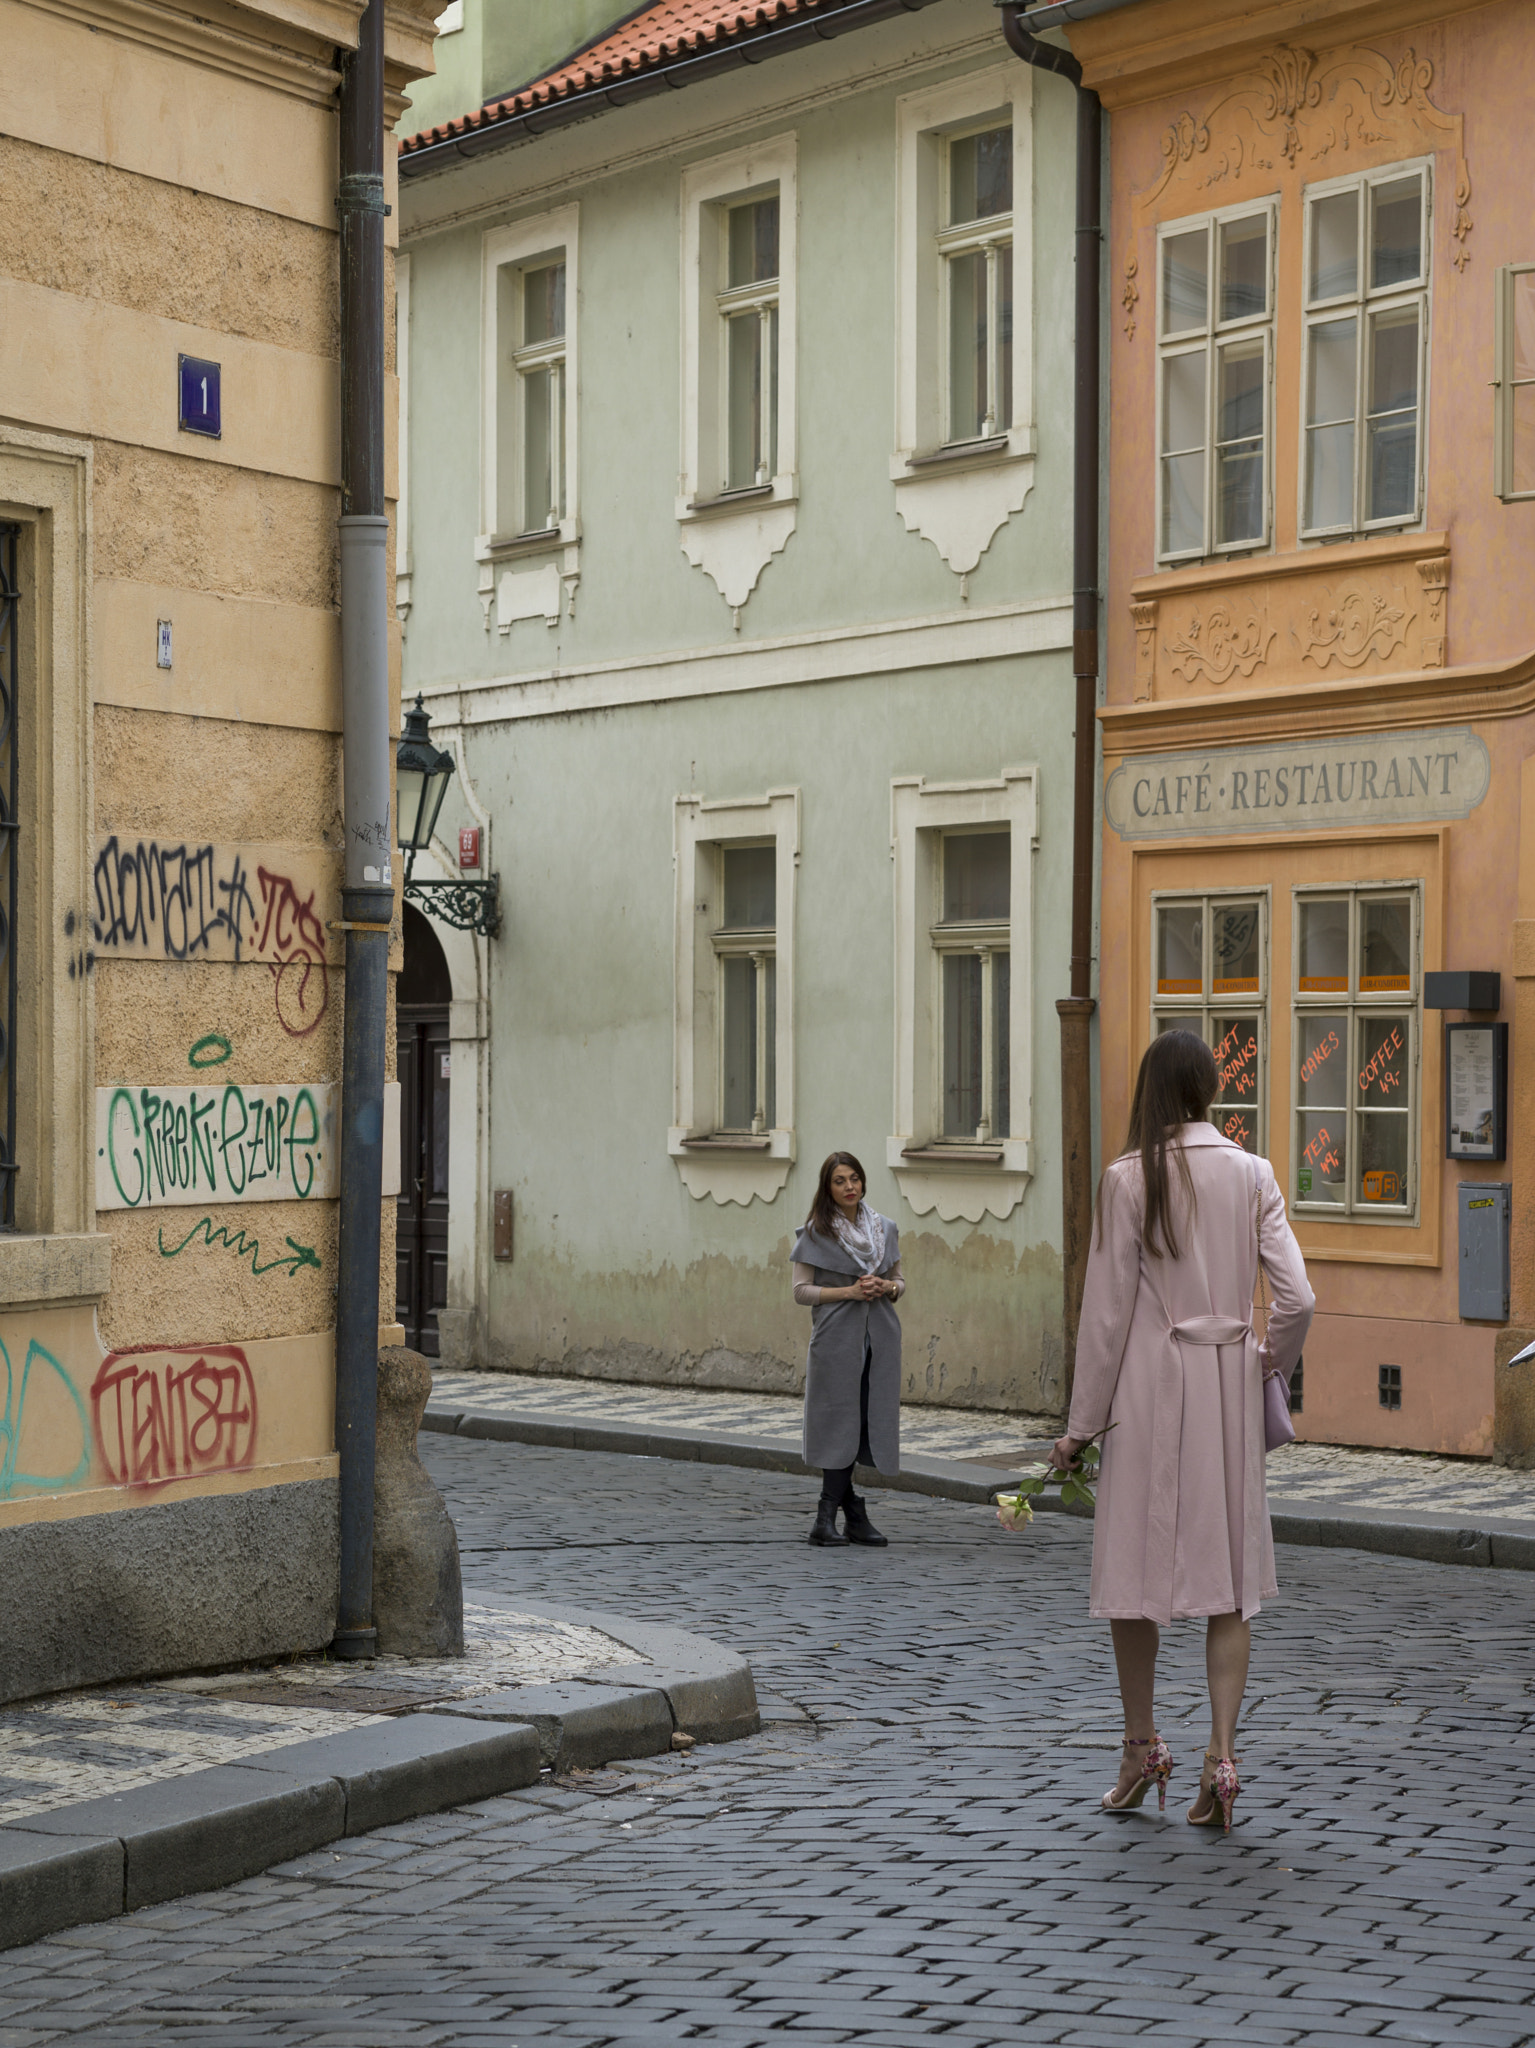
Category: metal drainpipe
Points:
column 1076, row 1010
column 367, row 896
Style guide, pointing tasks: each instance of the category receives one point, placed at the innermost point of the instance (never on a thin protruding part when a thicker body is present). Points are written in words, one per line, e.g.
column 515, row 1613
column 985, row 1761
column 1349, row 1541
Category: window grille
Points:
column 10, row 863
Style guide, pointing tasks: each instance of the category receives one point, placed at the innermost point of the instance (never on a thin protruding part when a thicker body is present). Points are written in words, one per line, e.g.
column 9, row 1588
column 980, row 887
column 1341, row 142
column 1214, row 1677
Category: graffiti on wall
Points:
column 244, row 1246
column 221, row 1144
column 266, row 1142
column 175, row 1412
column 43, row 1417
column 156, row 901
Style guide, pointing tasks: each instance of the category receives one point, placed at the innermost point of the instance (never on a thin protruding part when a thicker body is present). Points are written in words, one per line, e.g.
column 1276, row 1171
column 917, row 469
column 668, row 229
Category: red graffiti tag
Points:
column 294, row 939
column 169, row 1412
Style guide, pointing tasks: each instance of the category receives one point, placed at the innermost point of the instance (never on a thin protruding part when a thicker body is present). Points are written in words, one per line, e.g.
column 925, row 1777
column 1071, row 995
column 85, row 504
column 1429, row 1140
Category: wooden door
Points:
column 421, row 1253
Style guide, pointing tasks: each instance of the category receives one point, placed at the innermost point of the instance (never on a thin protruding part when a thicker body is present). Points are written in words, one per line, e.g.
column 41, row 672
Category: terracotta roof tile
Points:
column 656, row 35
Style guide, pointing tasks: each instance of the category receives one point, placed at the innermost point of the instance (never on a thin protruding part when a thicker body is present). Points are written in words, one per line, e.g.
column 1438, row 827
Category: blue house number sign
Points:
column 199, row 393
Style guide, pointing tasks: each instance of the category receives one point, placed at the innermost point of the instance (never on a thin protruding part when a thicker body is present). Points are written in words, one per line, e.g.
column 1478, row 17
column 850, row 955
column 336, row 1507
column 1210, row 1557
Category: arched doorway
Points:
column 425, row 1071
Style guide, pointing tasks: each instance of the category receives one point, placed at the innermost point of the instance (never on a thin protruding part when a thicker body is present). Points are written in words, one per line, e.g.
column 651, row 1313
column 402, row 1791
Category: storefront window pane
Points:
column 1322, row 1076
column 1324, row 946
column 1385, row 945
column 1234, row 936
column 1383, row 1049
column 1383, row 1140
column 1320, row 1175
column 1235, row 1109
column 1180, row 955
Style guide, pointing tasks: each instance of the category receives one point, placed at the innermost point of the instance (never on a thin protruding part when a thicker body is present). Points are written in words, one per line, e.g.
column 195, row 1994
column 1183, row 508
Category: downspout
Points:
column 1076, row 1010
column 367, row 894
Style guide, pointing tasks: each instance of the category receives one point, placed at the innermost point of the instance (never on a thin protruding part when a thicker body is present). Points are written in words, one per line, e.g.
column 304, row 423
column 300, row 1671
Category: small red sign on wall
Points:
column 468, row 846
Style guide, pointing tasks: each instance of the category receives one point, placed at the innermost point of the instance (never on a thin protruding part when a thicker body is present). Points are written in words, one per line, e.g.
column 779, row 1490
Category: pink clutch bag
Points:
column 1278, row 1429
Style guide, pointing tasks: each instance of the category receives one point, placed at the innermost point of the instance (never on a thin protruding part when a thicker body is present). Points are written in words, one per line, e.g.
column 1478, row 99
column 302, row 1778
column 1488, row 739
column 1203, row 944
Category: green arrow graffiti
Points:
column 290, row 1262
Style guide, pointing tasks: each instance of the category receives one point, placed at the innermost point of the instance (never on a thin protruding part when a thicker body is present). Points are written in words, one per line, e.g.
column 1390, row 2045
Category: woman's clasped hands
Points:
column 870, row 1286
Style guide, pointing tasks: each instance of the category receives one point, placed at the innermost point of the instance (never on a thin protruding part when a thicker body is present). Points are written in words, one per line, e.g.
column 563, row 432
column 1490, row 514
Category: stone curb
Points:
column 101, row 1857
column 1397, row 1532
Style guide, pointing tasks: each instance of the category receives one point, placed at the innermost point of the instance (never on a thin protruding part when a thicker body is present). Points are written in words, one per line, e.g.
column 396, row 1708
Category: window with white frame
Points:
column 537, row 412
column 738, row 261
column 972, row 959
column 529, row 464
column 1356, row 1034
column 975, row 243
column 1210, row 976
column 745, row 950
column 963, row 1098
column 748, row 314
column 964, row 366
column 733, row 1098
column 1516, row 381
column 1367, row 301
column 1215, row 327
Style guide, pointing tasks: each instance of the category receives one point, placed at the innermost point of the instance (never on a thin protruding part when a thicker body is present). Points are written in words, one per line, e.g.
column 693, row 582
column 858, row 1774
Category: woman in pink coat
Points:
column 1166, row 1357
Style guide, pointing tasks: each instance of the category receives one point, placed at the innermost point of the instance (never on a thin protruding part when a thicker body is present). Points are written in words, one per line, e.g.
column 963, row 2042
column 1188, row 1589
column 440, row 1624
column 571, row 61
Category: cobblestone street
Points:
column 911, row 1848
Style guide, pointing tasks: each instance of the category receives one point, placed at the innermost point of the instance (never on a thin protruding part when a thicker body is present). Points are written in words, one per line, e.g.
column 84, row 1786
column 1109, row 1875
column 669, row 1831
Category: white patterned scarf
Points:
column 863, row 1239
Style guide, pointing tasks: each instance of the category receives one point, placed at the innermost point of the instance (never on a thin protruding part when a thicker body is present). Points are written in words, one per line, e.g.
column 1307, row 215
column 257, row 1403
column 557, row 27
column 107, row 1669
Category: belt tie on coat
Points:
column 1166, row 1439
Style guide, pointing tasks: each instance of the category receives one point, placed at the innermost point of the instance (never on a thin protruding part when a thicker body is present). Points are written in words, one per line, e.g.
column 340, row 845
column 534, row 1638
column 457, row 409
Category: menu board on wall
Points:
column 1476, row 1091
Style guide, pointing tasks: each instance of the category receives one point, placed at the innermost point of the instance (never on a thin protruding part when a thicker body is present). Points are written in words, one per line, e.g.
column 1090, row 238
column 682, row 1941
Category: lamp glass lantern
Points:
column 422, row 775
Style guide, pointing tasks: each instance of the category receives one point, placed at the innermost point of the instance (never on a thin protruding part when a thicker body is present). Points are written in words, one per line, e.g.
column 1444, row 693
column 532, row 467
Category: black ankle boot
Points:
column 825, row 1530
column 859, row 1528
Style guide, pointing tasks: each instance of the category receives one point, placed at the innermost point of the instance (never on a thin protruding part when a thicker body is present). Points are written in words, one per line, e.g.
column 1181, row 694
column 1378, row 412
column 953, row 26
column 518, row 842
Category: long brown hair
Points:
column 823, row 1210
column 1175, row 1086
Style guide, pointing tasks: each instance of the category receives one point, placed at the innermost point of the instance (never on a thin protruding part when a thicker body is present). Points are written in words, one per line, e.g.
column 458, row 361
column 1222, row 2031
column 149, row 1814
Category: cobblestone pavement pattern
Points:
column 78, row 1745
column 1317, row 1472
column 910, row 1850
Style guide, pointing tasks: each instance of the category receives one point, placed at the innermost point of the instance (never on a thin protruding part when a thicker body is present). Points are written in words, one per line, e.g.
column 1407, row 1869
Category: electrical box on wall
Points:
column 1485, row 1208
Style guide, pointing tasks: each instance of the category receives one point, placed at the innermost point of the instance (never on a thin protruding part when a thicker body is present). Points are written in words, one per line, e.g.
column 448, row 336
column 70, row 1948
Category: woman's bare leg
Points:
column 1135, row 1654
column 1227, row 1646
column 1228, row 1640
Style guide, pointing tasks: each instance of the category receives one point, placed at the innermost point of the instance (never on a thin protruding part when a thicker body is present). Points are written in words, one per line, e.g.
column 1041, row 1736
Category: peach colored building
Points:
column 1320, row 698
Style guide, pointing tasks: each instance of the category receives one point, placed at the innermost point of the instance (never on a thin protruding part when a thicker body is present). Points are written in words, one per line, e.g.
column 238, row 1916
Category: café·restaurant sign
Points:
column 1392, row 778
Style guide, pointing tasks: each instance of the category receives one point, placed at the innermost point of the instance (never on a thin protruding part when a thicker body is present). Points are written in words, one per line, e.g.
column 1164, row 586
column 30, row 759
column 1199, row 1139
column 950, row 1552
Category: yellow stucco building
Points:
column 170, row 985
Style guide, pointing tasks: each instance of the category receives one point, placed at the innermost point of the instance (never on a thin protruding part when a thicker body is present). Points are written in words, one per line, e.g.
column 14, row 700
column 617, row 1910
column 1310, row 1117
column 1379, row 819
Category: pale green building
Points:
column 734, row 557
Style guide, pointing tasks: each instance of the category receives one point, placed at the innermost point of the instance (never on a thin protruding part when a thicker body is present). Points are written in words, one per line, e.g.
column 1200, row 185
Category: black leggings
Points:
column 837, row 1480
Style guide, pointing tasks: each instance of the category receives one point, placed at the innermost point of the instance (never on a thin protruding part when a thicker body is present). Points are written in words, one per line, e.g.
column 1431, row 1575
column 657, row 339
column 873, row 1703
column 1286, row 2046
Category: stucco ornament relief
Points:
column 733, row 548
column 1327, row 113
column 962, row 513
column 1357, row 626
column 1434, row 575
column 1214, row 647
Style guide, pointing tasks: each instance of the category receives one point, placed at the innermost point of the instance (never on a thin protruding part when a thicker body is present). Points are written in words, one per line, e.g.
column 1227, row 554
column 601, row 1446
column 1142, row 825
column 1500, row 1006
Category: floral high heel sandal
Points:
column 1157, row 1765
column 1222, row 1790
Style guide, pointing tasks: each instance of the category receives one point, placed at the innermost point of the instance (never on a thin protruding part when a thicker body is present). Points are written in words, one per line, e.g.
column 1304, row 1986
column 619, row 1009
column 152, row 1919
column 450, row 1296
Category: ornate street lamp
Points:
column 422, row 774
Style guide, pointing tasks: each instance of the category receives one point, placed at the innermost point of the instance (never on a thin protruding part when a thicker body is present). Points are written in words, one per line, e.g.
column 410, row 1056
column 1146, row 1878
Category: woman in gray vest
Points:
column 847, row 1272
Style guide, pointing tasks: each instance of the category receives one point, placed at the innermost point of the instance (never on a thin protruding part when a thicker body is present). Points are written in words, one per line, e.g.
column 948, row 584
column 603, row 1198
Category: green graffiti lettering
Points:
column 211, row 1051
column 244, row 1246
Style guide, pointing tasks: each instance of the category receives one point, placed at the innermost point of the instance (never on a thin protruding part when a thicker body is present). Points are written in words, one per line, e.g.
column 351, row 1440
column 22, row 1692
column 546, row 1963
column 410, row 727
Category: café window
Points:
column 1210, row 975
column 1356, row 1034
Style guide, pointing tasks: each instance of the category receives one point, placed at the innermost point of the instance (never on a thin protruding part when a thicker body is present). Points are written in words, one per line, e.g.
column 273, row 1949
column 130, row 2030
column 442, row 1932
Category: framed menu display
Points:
column 1476, row 1091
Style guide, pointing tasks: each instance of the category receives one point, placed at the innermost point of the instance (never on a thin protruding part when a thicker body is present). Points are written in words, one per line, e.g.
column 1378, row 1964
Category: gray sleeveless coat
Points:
column 834, row 1368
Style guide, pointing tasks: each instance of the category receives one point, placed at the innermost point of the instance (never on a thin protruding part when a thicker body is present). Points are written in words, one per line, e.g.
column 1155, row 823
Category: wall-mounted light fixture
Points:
column 422, row 775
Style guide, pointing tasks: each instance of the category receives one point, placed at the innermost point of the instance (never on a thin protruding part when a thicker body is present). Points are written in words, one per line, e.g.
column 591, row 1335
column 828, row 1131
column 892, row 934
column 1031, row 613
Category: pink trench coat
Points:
column 1166, row 1351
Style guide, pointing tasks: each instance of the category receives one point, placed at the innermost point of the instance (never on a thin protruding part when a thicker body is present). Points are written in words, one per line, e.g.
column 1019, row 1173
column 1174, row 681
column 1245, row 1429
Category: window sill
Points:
column 908, row 466
column 962, row 1182
column 729, row 1167
column 53, row 1271
column 511, row 547
column 1222, row 569
column 783, row 490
